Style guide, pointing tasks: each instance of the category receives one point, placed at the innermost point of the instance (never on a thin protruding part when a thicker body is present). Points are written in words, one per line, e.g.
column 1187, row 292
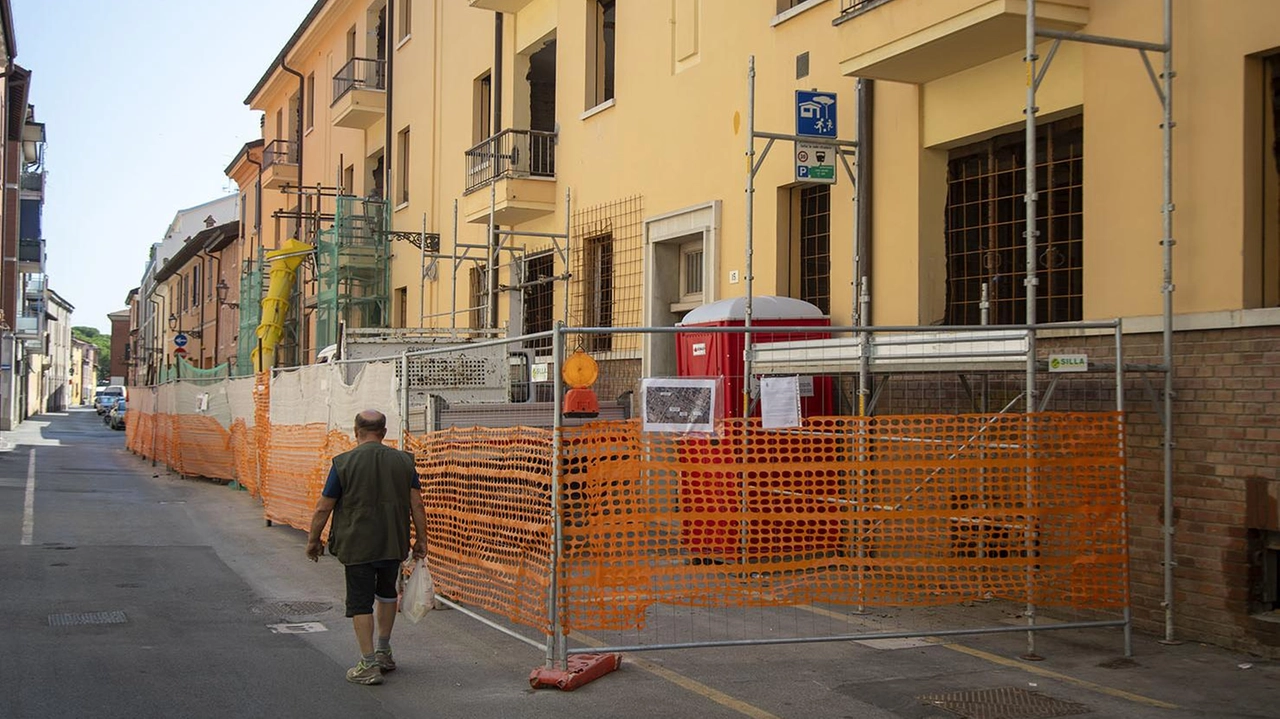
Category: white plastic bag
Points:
column 419, row 593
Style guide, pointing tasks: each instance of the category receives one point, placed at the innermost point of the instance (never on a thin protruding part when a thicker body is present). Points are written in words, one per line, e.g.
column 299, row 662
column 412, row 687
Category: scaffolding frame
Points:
column 500, row 241
column 1163, row 85
column 842, row 150
column 353, row 268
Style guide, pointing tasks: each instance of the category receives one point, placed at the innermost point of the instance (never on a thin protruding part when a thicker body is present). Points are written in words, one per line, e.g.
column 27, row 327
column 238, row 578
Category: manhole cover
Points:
column 1004, row 703
column 291, row 608
column 70, row 619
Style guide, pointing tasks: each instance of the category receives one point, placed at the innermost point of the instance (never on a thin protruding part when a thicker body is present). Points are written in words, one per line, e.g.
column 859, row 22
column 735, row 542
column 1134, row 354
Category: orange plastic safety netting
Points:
column 243, row 442
column 489, row 533
column 201, row 447
column 892, row 511
column 134, row 420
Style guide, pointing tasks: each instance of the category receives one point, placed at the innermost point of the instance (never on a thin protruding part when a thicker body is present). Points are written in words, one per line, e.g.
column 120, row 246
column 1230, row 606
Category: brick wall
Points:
column 1226, row 479
column 119, row 339
column 1226, row 464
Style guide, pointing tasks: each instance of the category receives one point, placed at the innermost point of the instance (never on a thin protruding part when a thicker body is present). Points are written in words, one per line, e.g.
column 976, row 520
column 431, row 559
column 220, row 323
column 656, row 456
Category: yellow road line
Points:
column 1005, row 662
column 691, row 685
column 755, row 712
column 1118, row 693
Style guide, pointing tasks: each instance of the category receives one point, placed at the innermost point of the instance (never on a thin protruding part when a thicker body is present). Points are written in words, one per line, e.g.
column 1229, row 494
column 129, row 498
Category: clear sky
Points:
column 143, row 102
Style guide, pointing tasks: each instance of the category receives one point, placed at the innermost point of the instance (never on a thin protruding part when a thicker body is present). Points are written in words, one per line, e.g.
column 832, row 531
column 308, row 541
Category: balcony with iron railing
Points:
column 917, row 41
column 359, row 93
column 520, row 165
column 30, row 255
column 36, row 285
column 31, row 182
column 27, row 325
column 853, row 7
column 280, row 164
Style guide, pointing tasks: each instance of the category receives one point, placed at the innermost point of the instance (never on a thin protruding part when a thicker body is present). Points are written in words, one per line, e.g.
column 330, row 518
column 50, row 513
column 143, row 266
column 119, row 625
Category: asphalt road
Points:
column 127, row 591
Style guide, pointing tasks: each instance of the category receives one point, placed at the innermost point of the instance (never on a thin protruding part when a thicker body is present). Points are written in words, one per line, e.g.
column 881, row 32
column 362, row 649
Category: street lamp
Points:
column 175, row 323
column 222, row 288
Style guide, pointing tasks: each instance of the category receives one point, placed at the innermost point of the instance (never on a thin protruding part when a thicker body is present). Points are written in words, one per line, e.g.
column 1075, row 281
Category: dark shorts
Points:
column 369, row 582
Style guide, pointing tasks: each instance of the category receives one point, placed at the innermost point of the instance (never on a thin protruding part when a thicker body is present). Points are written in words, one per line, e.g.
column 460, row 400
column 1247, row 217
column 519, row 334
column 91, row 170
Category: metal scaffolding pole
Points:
column 1163, row 84
column 1167, row 243
column 1029, row 282
column 751, row 195
column 839, row 148
column 422, row 274
column 453, row 307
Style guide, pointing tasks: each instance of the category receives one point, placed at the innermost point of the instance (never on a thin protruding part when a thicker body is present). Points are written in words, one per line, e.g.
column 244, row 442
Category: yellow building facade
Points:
column 607, row 145
column 644, row 127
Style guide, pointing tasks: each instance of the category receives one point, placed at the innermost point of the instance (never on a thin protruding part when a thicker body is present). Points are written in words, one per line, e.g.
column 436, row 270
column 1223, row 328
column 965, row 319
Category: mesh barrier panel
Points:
column 294, row 472
column 894, row 511
column 243, row 441
column 488, row 500
column 914, row 509
column 202, row 447
column 262, row 430
column 243, row 432
column 311, row 413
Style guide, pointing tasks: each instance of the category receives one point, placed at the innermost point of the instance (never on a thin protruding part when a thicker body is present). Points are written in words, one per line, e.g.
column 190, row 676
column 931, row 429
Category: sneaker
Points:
column 385, row 661
column 365, row 673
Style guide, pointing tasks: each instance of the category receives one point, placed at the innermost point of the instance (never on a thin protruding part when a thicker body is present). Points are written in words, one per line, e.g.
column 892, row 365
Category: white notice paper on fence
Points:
column 779, row 402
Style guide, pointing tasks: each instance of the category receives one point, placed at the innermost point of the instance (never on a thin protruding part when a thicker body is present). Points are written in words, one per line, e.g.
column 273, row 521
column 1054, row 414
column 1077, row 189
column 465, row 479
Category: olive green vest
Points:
column 371, row 520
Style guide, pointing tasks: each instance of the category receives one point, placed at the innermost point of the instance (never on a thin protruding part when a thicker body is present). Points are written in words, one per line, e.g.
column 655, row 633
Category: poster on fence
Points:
column 683, row 405
column 780, row 402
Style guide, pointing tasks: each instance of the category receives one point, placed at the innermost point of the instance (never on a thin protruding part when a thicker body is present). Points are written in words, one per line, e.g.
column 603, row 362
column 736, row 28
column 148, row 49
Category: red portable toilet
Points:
column 708, row 354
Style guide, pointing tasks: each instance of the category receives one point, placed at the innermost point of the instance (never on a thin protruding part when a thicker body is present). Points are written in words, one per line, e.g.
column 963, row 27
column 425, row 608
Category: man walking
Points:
column 372, row 492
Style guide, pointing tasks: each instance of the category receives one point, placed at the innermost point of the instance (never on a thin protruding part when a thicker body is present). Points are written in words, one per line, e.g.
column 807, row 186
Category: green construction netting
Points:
column 250, row 314
column 183, row 369
column 354, row 263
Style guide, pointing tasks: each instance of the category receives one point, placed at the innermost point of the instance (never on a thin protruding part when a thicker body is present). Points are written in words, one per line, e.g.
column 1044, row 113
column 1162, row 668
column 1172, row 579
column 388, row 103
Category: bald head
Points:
column 371, row 426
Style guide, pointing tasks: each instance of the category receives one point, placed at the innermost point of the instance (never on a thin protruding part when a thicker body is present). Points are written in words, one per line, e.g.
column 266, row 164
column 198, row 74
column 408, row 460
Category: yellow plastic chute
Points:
column 284, row 263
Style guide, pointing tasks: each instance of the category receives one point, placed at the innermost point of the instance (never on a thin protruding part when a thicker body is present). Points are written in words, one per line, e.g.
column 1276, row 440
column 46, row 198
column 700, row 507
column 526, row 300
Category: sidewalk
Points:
column 33, row 430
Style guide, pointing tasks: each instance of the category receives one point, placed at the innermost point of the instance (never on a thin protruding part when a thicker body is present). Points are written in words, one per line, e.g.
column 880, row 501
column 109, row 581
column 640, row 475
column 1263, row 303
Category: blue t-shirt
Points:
column 333, row 487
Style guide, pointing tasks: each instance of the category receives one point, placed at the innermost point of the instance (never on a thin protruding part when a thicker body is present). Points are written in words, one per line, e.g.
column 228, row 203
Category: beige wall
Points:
column 75, row 390
column 676, row 136
column 326, row 148
column 1218, row 227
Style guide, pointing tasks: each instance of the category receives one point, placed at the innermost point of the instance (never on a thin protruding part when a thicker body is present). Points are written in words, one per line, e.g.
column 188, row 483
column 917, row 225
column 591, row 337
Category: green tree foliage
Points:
column 102, row 342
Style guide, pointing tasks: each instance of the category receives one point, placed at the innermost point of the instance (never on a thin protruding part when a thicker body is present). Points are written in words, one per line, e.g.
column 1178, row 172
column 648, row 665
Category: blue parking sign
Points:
column 815, row 113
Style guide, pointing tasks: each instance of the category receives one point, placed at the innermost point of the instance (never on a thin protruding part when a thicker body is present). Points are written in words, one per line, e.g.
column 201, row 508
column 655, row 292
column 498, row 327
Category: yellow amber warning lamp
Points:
column 580, row 372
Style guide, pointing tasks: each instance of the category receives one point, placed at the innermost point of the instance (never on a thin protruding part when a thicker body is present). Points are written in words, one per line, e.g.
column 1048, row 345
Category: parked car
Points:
column 115, row 418
column 107, row 404
column 107, row 398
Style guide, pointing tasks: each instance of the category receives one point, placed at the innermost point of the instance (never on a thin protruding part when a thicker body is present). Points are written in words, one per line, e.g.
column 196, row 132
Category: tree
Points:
column 99, row 340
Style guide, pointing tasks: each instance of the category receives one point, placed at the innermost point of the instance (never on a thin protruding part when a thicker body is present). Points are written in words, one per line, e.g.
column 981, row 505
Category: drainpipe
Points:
column 257, row 199
column 497, row 72
column 12, row 322
column 302, row 103
column 865, row 95
column 387, row 154
column 297, row 221
column 200, row 300
column 154, row 331
column 497, row 128
column 217, row 312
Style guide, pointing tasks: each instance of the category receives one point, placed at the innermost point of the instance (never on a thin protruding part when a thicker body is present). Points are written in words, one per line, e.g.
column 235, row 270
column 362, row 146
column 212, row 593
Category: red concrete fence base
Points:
column 582, row 670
